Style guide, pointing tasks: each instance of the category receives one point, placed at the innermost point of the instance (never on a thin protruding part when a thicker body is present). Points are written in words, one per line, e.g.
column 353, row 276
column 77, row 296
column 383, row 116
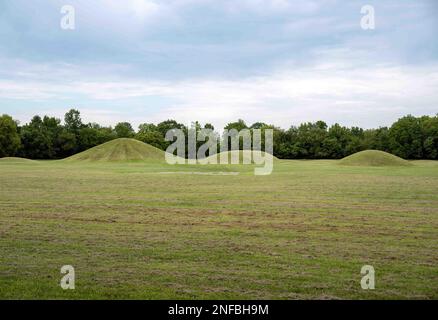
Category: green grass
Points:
column 152, row 231
column 243, row 157
column 373, row 158
column 15, row 160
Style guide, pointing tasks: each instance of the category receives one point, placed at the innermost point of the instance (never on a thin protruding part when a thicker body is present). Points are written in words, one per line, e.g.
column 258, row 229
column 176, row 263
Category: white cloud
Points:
column 264, row 7
column 142, row 9
column 367, row 96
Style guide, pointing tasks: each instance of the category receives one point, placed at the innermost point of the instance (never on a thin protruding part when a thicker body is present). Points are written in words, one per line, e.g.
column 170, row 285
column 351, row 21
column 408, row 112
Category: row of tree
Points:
column 47, row 138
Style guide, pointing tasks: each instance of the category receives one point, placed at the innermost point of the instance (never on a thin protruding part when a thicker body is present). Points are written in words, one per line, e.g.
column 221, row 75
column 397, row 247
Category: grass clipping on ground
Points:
column 120, row 150
column 373, row 158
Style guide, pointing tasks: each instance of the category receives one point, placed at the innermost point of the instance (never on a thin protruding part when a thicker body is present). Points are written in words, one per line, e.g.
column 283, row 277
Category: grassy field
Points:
column 147, row 230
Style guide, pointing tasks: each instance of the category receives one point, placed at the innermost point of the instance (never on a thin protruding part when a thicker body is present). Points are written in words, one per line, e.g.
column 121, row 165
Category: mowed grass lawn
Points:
column 137, row 230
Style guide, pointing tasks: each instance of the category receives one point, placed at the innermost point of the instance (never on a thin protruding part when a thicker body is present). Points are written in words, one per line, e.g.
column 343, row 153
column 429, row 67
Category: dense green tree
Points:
column 376, row 139
column 215, row 135
column 73, row 125
column 167, row 125
column 147, row 127
column 356, row 140
column 258, row 125
column 429, row 129
column 67, row 143
column 124, row 130
column 52, row 128
column 338, row 138
column 106, row 134
column 149, row 133
column 282, row 143
column 406, row 138
column 93, row 134
column 310, row 140
column 73, row 121
column 278, row 135
column 36, row 140
column 238, row 125
column 9, row 138
column 46, row 138
column 88, row 137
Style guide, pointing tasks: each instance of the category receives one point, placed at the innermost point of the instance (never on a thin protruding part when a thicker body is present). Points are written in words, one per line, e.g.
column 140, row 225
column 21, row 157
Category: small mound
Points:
column 242, row 154
column 120, row 150
column 16, row 160
column 374, row 158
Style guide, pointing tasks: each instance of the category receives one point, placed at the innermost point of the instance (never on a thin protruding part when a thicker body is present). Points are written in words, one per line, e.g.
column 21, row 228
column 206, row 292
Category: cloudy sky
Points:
column 277, row 61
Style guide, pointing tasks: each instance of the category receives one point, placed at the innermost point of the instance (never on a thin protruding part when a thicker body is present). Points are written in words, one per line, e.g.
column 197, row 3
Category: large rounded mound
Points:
column 374, row 158
column 120, row 150
column 16, row 160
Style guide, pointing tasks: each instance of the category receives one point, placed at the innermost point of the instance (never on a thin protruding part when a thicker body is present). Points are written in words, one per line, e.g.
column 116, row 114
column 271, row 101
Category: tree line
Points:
column 47, row 138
